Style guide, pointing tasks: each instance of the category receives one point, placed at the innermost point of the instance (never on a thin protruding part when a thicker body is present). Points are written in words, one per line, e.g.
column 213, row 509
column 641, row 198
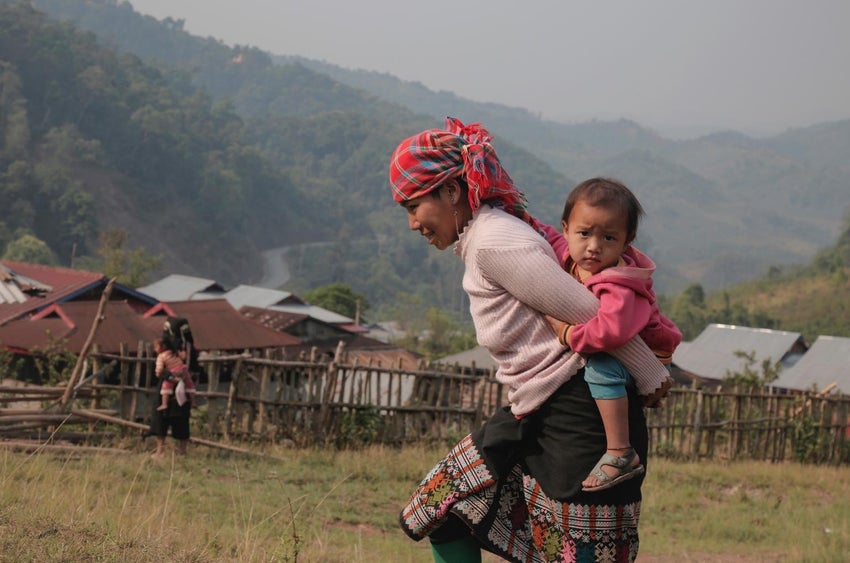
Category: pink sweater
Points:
column 627, row 308
column 511, row 277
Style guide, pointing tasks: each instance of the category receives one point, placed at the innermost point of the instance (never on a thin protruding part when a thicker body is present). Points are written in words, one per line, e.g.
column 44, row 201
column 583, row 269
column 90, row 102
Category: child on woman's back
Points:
column 600, row 221
column 177, row 379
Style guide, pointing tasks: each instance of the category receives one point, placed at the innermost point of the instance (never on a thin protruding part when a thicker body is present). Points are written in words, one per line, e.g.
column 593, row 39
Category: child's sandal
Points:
column 623, row 465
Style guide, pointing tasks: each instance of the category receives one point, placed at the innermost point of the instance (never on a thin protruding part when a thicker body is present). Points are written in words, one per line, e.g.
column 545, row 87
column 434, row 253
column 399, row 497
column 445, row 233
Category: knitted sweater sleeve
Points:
column 531, row 275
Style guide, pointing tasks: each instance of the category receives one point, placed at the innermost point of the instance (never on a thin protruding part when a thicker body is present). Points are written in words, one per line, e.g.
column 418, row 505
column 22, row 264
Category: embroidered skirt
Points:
column 516, row 484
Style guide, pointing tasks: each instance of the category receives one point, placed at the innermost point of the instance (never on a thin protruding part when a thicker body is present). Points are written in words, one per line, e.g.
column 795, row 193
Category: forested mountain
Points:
column 722, row 208
column 95, row 139
column 208, row 154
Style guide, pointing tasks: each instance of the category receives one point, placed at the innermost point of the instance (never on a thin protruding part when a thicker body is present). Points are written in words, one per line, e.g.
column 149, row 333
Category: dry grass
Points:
column 328, row 506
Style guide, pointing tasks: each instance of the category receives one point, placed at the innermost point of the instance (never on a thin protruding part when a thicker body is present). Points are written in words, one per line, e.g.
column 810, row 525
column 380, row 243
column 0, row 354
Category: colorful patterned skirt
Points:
column 516, row 484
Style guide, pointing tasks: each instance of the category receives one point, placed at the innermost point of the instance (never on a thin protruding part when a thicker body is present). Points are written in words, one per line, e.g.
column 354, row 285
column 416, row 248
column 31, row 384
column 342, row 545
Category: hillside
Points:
column 721, row 209
column 122, row 143
column 248, row 151
column 813, row 299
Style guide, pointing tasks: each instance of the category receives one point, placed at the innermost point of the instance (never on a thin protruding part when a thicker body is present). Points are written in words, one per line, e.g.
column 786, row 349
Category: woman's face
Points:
column 435, row 217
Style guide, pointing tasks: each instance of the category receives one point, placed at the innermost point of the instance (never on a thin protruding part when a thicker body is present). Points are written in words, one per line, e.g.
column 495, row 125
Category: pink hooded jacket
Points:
column 627, row 308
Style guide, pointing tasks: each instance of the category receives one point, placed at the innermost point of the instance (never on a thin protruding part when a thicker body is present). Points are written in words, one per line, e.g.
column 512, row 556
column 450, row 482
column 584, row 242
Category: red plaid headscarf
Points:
column 425, row 161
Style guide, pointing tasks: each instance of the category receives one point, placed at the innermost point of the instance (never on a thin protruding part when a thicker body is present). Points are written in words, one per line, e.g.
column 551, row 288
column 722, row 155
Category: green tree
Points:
column 339, row 298
column 29, row 248
column 749, row 377
column 688, row 311
column 130, row 267
column 444, row 336
column 14, row 124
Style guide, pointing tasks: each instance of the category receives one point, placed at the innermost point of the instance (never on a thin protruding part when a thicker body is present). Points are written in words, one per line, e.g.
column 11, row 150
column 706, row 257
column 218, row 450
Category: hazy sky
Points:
column 680, row 67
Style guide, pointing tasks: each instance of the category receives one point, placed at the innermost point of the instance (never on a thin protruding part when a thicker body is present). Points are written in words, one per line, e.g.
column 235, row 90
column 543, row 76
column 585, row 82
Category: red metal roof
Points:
column 277, row 320
column 65, row 284
column 72, row 321
column 216, row 325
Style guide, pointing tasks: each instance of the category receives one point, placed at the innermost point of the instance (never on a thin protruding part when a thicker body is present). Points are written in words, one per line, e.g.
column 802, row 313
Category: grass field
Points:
column 341, row 506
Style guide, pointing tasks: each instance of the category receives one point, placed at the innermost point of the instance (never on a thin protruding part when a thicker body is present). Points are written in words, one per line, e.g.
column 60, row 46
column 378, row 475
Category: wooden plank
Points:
column 84, row 351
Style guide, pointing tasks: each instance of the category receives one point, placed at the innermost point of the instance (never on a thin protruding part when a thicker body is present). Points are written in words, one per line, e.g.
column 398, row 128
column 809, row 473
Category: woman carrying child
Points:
column 177, row 391
column 513, row 486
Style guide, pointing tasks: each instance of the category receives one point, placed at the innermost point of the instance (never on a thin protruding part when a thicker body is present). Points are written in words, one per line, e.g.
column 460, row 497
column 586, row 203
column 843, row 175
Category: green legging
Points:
column 452, row 543
column 464, row 550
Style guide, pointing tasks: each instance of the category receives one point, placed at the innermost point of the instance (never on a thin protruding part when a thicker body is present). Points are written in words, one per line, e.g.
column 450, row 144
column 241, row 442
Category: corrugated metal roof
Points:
column 216, row 325
column 66, row 284
column 827, row 361
column 479, row 355
column 262, row 297
column 186, row 288
column 282, row 301
column 386, row 331
column 177, row 287
column 277, row 320
column 319, row 313
column 72, row 321
column 63, row 281
column 16, row 288
column 712, row 353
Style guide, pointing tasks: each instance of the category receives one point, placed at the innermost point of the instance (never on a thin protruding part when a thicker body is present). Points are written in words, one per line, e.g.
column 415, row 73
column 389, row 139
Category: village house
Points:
column 54, row 310
column 320, row 330
column 824, row 367
column 717, row 353
column 42, row 306
column 28, row 288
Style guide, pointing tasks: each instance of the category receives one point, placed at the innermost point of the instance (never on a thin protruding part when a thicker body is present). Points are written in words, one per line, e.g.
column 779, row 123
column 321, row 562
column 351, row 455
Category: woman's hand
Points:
column 653, row 401
column 560, row 328
column 554, row 323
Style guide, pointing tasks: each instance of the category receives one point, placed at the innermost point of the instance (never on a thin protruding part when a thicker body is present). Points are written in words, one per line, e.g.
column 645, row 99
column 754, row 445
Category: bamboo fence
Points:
column 251, row 398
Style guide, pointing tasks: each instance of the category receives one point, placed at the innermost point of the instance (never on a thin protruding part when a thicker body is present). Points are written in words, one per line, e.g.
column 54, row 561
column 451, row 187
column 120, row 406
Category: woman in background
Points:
column 176, row 414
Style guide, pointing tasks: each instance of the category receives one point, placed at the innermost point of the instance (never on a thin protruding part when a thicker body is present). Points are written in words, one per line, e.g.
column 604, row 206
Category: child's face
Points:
column 596, row 236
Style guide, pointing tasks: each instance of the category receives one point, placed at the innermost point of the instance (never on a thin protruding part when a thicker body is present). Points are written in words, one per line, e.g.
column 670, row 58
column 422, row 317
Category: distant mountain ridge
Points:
column 721, row 208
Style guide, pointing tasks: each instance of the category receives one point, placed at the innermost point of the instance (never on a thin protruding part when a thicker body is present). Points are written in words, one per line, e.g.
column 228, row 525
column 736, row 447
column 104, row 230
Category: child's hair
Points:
column 610, row 193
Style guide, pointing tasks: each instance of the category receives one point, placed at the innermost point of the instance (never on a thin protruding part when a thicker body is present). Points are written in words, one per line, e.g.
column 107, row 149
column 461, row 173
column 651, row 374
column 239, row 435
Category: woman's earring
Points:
column 457, row 225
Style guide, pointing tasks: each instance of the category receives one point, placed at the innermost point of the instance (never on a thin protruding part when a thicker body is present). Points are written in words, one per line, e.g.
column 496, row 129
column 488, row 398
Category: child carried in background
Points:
column 600, row 222
column 177, row 379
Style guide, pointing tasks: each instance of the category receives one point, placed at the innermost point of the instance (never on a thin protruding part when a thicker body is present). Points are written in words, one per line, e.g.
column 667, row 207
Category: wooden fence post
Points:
column 231, row 399
column 84, row 351
column 123, row 380
column 262, row 409
column 696, row 447
column 137, row 378
column 94, row 403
